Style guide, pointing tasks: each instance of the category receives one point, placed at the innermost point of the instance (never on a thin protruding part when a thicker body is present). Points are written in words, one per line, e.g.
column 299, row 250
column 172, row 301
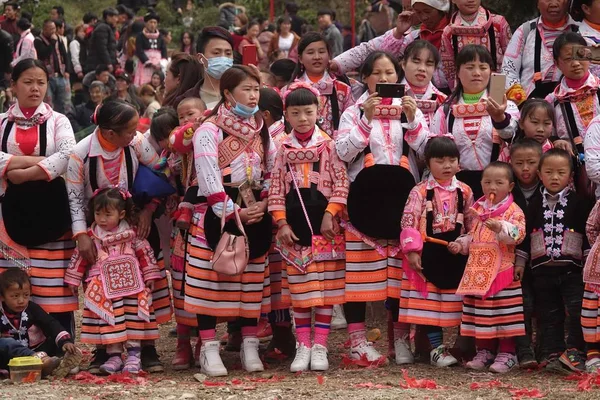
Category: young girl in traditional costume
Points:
column 477, row 122
column 473, row 24
column 118, row 300
column 150, row 49
column 233, row 157
column 493, row 301
column 336, row 96
column 436, row 208
column 378, row 138
column 308, row 192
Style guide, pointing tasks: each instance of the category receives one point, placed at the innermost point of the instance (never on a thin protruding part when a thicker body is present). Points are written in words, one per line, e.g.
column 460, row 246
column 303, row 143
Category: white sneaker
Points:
column 403, row 353
column 302, row 360
column 318, row 358
column 367, row 350
column 249, row 354
column 440, row 357
column 210, row 359
column 338, row 320
column 593, row 365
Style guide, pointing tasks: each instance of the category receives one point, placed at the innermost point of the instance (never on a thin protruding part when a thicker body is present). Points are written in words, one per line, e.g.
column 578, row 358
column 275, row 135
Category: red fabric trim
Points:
column 216, row 198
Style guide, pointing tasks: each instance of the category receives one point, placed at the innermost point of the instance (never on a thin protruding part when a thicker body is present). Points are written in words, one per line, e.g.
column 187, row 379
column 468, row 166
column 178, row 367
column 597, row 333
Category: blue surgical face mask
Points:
column 218, row 65
column 244, row 111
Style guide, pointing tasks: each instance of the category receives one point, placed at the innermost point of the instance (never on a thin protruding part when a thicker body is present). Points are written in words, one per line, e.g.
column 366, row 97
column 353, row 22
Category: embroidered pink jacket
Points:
column 501, row 31
column 332, row 178
column 583, row 99
column 277, row 132
column 445, row 210
column 591, row 145
column 25, row 48
column 428, row 114
column 79, row 268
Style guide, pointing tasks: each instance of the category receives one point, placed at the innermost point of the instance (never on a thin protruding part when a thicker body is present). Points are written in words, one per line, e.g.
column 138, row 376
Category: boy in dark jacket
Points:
column 103, row 43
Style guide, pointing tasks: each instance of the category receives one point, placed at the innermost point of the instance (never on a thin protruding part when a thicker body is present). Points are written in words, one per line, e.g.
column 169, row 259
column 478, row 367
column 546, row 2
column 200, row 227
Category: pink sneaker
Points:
column 482, row 360
column 503, row 363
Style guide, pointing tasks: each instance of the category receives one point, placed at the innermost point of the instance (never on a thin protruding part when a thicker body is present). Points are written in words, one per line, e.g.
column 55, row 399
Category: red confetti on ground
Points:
column 273, row 379
column 412, row 383
column 237, row 382
column 585, row 382
column 346, row 344
column 125, row 378
column 526, row 393
column 347, row 362
column 320, row 379
column 371, row 385
column 86, row 377
column 214, row 384
column 275, row 354
column 487, row 385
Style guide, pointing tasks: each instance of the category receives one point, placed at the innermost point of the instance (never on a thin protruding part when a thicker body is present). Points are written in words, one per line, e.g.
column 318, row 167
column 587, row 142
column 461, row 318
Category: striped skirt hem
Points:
column 498, row 316
column 590, row 315
column 128, row 326
column 322, row 285
column 440, row 308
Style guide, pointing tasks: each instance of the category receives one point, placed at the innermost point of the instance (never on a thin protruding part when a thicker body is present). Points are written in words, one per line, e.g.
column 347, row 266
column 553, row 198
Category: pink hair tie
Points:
column 435, row 135
column 299, row 85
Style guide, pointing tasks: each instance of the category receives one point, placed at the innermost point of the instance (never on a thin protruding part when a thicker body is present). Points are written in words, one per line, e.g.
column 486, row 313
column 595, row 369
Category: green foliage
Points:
column 170, row 19
column 74, row 9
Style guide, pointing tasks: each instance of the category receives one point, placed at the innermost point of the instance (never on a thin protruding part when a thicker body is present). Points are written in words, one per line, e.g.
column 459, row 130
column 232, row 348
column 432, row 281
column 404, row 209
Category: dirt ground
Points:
column 420, row 381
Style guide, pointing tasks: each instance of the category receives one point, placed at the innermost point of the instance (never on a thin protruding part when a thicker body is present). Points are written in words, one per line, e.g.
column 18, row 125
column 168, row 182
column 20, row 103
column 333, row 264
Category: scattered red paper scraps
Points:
column 86, row 377
column 487, row 385
column 412, row 383
column 346, row 344
column 585, row 382
column 518, row 394
column 274, row 355
column 214, row 384
column 347, row 362
column 237, row 382
column 371, row 385
column 320, row 379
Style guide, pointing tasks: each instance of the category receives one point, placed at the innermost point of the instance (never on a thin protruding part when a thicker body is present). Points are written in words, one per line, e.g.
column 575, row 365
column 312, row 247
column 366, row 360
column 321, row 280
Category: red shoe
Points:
column 183, row 356
column 265, row 332
column 184, row 220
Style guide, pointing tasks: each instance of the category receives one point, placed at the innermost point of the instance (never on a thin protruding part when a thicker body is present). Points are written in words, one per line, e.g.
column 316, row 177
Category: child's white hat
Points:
column 442, row 5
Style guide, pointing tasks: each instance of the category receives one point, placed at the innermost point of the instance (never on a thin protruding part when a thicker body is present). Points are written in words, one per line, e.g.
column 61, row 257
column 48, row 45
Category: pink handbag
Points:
column 231, row 254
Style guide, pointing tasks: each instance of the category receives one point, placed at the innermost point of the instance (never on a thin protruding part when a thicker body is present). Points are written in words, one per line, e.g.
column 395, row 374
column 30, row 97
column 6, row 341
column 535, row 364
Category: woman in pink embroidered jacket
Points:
column 491, row 286
column 25, row 47
column 478, row 124
column 436, row 208
column 434, row 17
column 378, row 138
column 150, row 49
column 473, row 24
column 233, row 158
column 313, row 63
column 118, row 301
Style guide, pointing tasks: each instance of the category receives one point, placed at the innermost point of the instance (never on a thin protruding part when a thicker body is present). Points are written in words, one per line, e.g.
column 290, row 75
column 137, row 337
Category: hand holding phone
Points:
column 390, row 90
column 497, row 87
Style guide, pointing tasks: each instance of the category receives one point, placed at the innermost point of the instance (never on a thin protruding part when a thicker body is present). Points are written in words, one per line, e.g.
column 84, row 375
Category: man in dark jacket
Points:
column 6, row 55
column 51, row 51
column 103, row 44
column 11, row 14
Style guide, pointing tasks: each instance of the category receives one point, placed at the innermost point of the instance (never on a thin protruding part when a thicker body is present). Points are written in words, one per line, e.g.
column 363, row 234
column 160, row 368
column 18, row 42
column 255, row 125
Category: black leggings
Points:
column 355, row 312
column 67, row 320
column 206, row 322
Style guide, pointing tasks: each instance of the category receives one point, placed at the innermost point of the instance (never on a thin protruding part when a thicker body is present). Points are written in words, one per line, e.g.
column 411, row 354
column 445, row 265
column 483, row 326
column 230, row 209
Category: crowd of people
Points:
column 283, row 192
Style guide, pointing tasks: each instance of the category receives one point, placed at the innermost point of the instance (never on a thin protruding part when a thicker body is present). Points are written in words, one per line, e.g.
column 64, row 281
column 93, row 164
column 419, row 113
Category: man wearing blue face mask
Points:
column 215, row 54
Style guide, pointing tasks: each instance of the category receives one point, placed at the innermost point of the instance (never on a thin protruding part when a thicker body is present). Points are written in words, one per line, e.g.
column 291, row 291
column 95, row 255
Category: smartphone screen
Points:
column 497, row 87
column 390, row 90
column 249, row 55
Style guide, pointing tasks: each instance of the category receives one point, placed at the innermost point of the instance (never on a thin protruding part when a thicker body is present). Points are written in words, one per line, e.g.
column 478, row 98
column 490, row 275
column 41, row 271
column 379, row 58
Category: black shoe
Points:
column 574, row 360
column 527, row 360
column 150, row 360
column 282, row 345
column 100, row 357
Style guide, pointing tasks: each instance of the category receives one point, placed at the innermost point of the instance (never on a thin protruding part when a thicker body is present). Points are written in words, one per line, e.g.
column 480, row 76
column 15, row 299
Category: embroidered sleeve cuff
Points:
column 521, row 255
column 63, row 338
column 411, row 240
column 503, row 124
column 79, row 228
column 278, row 215
column 5, row 170
column 364, row 127
column 412, row 131
column 73, row 277
column 334, row 208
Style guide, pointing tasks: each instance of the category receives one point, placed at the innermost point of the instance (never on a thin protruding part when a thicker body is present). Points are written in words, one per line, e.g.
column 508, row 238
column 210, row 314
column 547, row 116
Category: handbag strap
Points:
column 94, row 170
column 43, row 140
column 237, row 218
column 301, row 201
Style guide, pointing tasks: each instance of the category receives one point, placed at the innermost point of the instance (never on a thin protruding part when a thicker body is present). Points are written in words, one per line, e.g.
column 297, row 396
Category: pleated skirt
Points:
column 277, row 271
column 49, row 263
column 322, row 285
column 161, row 296
column 498, row 316
column 128, row 326
column 590, row 315
column 439, row 308
column 371, row 276
column 208, row 293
